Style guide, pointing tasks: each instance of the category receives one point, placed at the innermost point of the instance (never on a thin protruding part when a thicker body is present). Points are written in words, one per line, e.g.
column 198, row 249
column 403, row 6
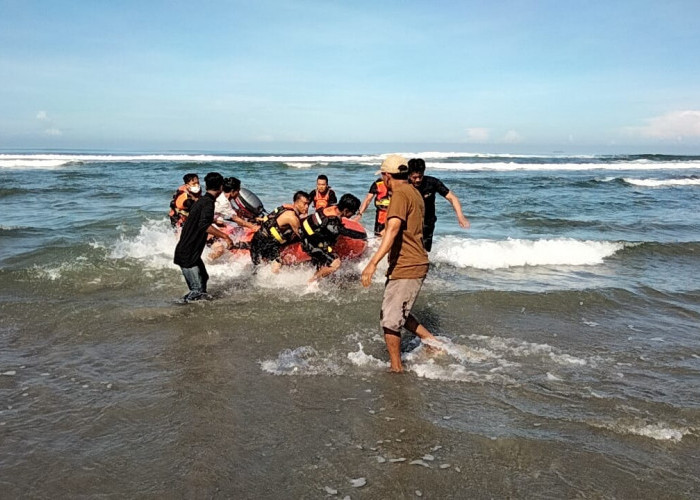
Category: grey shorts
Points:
column 399, row 296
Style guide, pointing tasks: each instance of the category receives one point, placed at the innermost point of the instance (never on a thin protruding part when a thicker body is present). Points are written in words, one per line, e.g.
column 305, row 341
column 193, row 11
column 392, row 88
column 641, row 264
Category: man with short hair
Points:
column 323, row 195
column 428, row 186
column 223, row 210
column 279, row 228
column 408, row 260
column 320, row 233
column 183, row 199
column 193, row 239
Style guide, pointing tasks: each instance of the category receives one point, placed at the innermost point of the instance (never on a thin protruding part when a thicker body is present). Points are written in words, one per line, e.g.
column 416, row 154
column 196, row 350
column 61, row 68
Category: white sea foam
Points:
column 295, row 164
column 499, row 254
column 48, row 161
column 153, row 245
column 66, row 158
column 362, row 359
column 662, row 182
column 303, row 360
column 660, row 431
column 31, row 164
column 513, row 166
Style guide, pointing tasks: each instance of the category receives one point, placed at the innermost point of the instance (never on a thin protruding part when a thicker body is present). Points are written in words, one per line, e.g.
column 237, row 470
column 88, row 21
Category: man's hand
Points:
column 368, row 273
column 463, row 221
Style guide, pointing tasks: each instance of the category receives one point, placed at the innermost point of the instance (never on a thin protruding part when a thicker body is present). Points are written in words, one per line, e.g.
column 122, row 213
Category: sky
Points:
column 503, row 76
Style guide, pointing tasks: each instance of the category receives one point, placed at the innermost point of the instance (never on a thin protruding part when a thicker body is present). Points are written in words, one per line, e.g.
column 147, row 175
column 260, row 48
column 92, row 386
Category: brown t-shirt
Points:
column 407, row 257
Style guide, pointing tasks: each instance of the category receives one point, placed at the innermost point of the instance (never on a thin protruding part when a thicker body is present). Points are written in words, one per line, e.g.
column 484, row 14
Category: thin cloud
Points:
column 512, row 137
column 675, row 125
column 477, row 134
column 47, row 124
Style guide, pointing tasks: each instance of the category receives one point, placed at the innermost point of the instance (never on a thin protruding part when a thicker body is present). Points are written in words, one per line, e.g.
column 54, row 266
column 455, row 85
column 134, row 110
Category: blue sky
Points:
column 507, row 76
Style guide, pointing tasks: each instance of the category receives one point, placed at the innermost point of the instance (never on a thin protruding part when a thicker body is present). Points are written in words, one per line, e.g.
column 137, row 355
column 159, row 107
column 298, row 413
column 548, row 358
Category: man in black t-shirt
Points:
column 428, row 186
column 193, row 239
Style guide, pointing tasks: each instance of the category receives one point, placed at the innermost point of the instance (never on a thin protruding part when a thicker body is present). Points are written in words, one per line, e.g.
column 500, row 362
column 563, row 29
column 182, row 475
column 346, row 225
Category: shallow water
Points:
column 569, row 311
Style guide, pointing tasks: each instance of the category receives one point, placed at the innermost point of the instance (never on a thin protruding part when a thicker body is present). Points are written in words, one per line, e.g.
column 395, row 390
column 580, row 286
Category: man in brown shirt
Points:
column 408, row 260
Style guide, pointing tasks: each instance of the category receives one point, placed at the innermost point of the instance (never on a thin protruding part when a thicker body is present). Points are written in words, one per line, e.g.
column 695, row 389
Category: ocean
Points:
column 569, row 311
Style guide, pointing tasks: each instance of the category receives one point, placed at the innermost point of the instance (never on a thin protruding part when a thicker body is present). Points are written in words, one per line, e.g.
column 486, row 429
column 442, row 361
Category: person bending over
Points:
column 279, row 228
column 224, row 210
column 320, row 232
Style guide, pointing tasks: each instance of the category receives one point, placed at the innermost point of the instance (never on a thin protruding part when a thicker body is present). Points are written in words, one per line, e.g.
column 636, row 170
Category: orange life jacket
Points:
column 320, row 201
column 381, row 201
column 180, row 205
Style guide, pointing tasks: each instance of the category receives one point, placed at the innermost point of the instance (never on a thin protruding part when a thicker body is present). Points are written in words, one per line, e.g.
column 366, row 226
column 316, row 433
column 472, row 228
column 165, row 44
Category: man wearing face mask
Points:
column 183, row 199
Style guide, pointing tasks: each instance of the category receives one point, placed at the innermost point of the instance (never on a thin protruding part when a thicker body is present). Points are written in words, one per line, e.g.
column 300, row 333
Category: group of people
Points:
column 405, row 219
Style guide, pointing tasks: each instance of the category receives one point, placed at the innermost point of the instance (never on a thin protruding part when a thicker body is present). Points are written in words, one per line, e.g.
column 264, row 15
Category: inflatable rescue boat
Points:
column 249, row 207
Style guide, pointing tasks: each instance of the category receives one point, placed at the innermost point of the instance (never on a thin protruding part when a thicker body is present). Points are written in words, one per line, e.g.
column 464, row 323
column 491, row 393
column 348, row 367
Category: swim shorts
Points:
column 399, row 296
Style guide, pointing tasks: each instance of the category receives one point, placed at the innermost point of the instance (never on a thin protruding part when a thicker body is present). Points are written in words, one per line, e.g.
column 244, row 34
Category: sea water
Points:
column 569, row 315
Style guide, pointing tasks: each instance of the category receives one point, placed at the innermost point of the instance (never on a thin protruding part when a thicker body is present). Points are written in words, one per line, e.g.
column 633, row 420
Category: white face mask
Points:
column 195, row 189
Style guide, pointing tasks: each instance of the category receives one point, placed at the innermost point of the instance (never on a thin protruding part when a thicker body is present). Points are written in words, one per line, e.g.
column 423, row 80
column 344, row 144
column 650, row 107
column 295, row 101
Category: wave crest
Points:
column 495, row 254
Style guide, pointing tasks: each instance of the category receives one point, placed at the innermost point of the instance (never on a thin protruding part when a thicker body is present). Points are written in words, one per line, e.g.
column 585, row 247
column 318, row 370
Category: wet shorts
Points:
column 264, row 248
column 320, row 256
column 399, row 296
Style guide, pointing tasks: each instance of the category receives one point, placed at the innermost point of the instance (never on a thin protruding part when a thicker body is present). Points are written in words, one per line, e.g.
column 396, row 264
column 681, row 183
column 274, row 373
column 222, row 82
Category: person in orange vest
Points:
column 183, row 199
column 382, row 196
column 323, row 195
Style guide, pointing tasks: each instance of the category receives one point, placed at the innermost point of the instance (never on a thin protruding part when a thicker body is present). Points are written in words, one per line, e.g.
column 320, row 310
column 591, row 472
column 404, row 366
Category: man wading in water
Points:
column 408, row 260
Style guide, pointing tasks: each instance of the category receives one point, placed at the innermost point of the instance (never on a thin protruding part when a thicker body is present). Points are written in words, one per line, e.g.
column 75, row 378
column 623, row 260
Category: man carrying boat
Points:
column 320, row 233
column 277, row 229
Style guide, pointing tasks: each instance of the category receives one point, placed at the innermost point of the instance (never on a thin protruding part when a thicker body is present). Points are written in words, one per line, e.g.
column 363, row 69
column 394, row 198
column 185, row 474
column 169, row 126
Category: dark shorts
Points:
column 321, row 257
column 264, row 248
column 428, row 237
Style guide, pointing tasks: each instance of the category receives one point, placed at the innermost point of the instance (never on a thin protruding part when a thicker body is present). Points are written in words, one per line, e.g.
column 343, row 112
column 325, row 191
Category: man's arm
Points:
column 365, row 204
column 244, row 223
column 457, row 207
column 220, row 234
column 393, row 226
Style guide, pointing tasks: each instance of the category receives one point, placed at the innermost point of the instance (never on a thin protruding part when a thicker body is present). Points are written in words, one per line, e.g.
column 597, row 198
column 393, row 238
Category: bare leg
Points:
column 393, row 345
column 276, row 266
column 413, row 326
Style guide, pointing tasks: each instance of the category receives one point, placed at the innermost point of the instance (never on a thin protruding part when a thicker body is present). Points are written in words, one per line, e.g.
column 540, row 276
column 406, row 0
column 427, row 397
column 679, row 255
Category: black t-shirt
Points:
column 193, row 237
column 427, row 189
